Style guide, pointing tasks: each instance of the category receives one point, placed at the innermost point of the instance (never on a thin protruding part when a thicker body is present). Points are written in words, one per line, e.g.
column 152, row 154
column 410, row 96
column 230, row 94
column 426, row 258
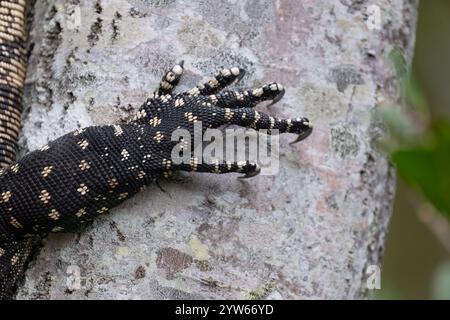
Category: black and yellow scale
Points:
column 12, row 76
column 83, row 174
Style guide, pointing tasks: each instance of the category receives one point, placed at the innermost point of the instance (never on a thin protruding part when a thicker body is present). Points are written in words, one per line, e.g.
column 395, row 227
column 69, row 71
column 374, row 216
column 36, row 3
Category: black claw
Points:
column 240, row 76
column 252, row 173
column 160, row 187
column 278, row 97
column 303, row 135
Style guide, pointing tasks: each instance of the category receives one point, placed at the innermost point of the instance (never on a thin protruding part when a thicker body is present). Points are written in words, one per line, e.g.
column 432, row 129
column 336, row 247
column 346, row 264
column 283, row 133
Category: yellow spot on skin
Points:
column 257, row 117
column 84, row 165
column 177, row 69
column 158, row 137
column 235, row 71
column 272, row 122
column 57, row 229
column 258, row 92
column 228, row 114
column 118, row 130
column 166, row 163
column 83, row 189
column 213, row 98
column 44, row 196
column 45, row 147
column 165, row 98
column 78, row 132
column 113, row 183
column 140, row 114
column 155, row 121
column 199, row 250
column 215, row 162
column 6, row 196
column 15, row 223
column 241, row 165
column 308, row 124
column 14, row 259
column 54, row 214
column 124, row 154
column 179, row 102
column 167, row 174
column 103, row 210
column 274, row 87
column 123, row 196
column 239, row 96
column 46, row 171
column 213, row 83
column 141, row 175
column 83, row 144
column 194, row 92
column 15, row 168
column 2, row 252
column 190, row 116
column 226, row 72
column 81, row 212
column 289, row 124
column 146, row 157
column 194, row 163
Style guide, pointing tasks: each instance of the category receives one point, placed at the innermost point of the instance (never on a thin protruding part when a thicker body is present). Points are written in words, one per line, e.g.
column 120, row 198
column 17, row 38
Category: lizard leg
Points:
column 223, row 79
column 170, row 79
column 248, row 98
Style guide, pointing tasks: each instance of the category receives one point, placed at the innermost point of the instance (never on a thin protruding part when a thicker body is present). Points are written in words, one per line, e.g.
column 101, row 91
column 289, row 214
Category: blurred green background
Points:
column 417, row 258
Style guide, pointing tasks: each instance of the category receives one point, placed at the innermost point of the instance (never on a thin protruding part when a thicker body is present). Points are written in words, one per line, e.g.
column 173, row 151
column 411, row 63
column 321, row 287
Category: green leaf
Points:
column 441, row 282
column 427, row 166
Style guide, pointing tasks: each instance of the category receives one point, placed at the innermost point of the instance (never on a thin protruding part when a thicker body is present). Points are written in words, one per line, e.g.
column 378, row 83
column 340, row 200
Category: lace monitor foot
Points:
column 85, row 173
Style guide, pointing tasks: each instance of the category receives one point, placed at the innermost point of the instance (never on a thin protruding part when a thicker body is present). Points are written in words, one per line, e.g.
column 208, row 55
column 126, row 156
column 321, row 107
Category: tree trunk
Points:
column 310, row 231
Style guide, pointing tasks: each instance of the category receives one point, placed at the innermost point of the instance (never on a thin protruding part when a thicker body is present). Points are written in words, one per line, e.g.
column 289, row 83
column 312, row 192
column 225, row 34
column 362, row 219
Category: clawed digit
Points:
column 223, row 79
column 170, row 79
column 248, row 168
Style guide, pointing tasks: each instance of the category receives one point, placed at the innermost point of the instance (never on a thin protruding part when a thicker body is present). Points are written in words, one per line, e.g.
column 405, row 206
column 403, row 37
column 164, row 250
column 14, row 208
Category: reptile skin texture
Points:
column 83, row 174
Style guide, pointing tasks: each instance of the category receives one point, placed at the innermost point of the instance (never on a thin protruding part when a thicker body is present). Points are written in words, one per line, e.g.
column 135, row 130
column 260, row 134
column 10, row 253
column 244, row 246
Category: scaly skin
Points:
column 85, row 173
column 12, row 77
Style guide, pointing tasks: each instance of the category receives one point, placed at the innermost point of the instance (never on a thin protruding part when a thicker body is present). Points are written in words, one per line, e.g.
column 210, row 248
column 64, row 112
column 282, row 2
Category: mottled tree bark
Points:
column 310, row 231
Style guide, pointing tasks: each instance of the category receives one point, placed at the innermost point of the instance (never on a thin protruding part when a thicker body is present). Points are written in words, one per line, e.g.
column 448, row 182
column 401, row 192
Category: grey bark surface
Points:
column 310, row 231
